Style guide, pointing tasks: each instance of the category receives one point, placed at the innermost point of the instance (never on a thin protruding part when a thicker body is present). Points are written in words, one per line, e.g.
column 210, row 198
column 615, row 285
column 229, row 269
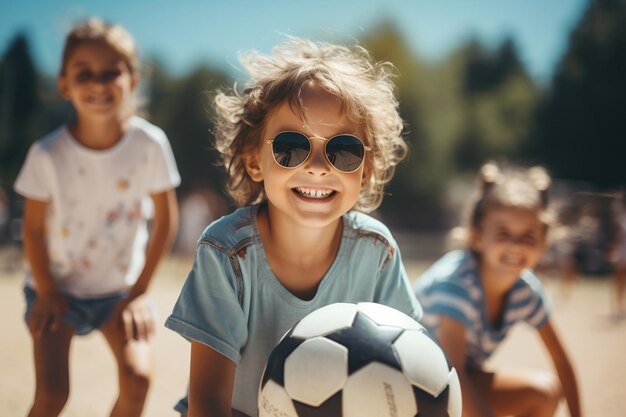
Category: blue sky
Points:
column 186, row 33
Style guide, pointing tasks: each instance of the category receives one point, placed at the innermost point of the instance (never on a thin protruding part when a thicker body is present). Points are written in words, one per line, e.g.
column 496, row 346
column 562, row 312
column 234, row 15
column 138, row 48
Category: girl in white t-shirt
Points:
column 90, row 188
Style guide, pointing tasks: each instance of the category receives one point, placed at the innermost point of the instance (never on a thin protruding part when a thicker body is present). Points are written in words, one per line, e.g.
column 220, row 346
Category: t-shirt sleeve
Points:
column 207, row 309
column 33, row 180
column 452, row 300
column 445, row 297
column 165, row 173
column 394, row 288
column 538, row 307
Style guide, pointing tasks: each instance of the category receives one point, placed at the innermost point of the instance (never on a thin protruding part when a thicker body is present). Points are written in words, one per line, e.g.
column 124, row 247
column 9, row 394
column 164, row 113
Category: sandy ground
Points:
column 595, row 343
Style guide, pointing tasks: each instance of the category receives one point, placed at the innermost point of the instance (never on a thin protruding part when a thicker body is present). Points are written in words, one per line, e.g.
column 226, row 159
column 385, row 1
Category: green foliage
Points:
column 475, row 104
column 180, row 106
column 499, row 103
column 581, row 123
column 497, row 123
column 20, row 102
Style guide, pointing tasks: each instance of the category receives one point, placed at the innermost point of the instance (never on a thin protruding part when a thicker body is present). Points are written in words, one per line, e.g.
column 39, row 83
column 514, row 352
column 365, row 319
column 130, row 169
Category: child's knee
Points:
column 136, row 364
column 138, row 379
column 135, row 380
column 547, row 391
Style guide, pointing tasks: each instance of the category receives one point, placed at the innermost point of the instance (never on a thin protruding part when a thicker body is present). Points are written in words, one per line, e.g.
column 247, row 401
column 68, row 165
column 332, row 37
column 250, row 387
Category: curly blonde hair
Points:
column 364, row 88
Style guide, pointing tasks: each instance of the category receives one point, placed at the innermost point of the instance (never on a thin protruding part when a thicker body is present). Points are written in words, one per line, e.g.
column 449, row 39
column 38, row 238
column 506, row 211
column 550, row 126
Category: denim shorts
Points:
column 84, row 314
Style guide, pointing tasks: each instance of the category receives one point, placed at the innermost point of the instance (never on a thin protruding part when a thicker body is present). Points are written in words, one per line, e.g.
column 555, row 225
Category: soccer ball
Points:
column 358, row 360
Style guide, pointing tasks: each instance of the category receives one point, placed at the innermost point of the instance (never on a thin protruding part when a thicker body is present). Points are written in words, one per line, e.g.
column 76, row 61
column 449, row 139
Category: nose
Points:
column 317, row 164
column 517, row 242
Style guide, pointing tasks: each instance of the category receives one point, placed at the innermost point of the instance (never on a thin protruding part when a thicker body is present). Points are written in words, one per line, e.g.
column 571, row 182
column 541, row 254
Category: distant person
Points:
column 564, row 239
column 5, row 222
column 618, row 257
column 473, row 297
column 198, row 207
column 5, row 217
column 90, row 187
column 10, row 236
column 309, row 144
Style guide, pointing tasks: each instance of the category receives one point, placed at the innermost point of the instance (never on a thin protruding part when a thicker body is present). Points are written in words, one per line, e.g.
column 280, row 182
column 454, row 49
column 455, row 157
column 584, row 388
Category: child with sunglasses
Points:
column 309, row 145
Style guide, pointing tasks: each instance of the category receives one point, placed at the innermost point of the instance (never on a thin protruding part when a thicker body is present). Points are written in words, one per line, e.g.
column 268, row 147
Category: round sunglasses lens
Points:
column 290, row 149
column 345, row 153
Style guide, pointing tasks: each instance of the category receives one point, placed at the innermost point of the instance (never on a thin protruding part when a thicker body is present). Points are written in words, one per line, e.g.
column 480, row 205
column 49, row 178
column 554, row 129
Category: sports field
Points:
column 595, row 341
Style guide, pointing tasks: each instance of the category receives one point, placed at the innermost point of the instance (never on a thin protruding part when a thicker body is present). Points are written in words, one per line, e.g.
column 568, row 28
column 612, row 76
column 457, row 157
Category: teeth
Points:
column 513, row 260
column 314, row 192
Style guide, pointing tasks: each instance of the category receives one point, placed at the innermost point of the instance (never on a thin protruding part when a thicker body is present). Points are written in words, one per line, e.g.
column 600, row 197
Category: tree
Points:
column 500, row 99
column 19, row 103
column 474, row 105
column 180, row 106
column 412, row 196
column 580, row 126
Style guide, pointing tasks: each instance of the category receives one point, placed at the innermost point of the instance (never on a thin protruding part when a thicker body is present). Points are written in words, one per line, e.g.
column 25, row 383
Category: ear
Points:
column 134, row 81
column 366, row 176
column 63, row 87
column 475, row 240
column 544, row 240
column 253, row 166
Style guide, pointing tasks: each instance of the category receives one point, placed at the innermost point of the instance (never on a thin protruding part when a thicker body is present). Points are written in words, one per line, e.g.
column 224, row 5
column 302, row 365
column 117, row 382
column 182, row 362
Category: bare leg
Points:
column 51, row 353
column 522, row 394
column 135, row 367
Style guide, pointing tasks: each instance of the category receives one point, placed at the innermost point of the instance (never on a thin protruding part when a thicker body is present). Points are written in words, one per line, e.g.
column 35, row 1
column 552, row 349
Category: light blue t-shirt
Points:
column 452, row 287
column 233, row 302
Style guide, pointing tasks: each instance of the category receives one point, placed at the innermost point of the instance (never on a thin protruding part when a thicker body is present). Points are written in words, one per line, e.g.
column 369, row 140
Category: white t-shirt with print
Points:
column 98, row 205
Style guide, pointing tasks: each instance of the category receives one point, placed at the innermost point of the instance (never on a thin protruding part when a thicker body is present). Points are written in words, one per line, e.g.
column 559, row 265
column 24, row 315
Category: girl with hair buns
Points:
column 473, row 297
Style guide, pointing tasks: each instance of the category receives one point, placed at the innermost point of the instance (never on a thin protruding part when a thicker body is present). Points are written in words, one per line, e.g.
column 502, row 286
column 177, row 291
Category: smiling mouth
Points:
column 514, row 261
column 99, row 100
column 315, row 193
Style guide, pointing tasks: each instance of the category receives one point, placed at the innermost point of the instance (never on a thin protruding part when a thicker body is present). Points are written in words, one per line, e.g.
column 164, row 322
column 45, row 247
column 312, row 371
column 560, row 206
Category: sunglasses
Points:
column 344, row 152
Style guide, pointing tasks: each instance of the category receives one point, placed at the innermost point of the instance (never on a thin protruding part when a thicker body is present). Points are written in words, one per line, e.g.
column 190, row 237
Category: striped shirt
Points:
column 452, row 287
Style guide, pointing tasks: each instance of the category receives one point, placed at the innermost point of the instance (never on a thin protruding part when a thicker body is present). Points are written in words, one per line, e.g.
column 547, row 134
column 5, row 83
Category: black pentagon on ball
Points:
column 430, row 406
column 368, row 342
column 275, row 367
column 330, row 407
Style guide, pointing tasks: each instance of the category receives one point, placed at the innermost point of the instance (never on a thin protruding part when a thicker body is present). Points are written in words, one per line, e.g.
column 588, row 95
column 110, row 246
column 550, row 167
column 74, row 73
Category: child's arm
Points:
column 134, row 311
column 50, row 306
column 211, row 381
column 164, row 226
column 451, row 335
column 563, row 367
